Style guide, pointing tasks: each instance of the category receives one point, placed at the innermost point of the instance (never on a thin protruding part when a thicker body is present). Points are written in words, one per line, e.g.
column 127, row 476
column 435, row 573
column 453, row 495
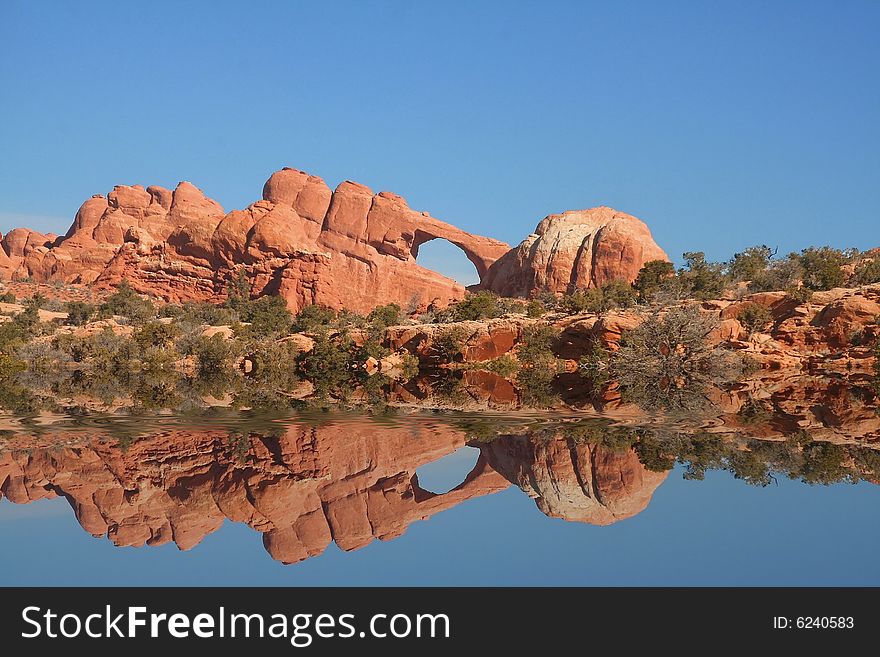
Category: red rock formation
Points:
column 349, row 248
column 576, row 249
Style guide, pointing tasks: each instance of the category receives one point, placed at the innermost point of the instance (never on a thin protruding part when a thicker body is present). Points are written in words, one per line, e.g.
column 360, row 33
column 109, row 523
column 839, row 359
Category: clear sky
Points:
column 719, row 124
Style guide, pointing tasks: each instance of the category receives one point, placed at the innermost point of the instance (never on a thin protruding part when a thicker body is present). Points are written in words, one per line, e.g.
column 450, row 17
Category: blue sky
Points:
column 721, row 125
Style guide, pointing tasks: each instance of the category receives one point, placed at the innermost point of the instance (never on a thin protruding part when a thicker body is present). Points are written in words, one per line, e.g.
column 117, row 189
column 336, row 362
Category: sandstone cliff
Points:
column 346, row 248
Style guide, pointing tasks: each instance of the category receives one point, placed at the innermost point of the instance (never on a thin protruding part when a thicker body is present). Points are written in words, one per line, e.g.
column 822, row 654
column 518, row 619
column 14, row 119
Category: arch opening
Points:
column 444, row 257
column 448, row 472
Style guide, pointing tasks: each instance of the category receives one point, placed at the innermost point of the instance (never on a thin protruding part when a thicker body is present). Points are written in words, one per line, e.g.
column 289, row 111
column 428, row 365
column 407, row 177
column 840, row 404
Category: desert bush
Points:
column 703, row 280
column 754, row 317
column 329, row 365
column 476, row 306
column 667, row 361
column 503, row 366
column 41, row 356
column 267, row 316
column 384, row 316
column 535, row 309
column 783, row 274
column 539, row 366
column 535, row 347
column 799, row 294
column 535, row 385
column 589, row 300
column 313, row 318
column 37, row 300
column 868, row 272
column 750, row 264
column 155, row 334
column 208, row 313
column 238, row 291
column 594, row 364
column 155, row 358
column 78, row 312
column 448, row 344
column 21, row 328
column 125, row 302
column 599, row 300
column 822, row 267
column 213, row 354
column 651, row 277
column 510, row 306
column 274, row 362
column 103, row 351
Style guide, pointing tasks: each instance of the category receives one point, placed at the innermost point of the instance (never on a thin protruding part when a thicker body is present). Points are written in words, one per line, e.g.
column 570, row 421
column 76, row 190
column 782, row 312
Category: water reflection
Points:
column 350, row 479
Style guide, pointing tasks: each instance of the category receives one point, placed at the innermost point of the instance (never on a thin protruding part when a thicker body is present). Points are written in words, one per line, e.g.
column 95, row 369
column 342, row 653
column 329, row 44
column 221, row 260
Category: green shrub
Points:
column 171, row 310
column 535, row 385
column 385, row 316
column 750, row 264
column 868, row 272
column 822, row 267
column 535, row 309
column 213, row 354
column 535, row 347
column 208, row 313
column 651, row 277
column 329, row 365
column 20, row 329
column 105, row 351
column 754, row 317
column 267, row 316
column 125, row 302
column 313, row 318
column 274, row 362
column 799, row 294
column 78, row 312
column 7, row 297
column 503, row 366
column 589, row 300
column 37, row 301
column 703, row 280
column 539, row 366
column 594, row 364
column 476, row 306
column 599, row 300
column 155, row 334
column 238, row 291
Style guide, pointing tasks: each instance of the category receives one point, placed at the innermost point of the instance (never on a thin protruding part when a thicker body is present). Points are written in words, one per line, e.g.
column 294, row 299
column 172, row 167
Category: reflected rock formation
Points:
column 574, row 480
column 348, row 483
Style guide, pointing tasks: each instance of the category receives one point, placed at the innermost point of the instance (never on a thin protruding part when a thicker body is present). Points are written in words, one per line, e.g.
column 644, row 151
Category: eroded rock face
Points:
column 345, row 249
column 572, row 250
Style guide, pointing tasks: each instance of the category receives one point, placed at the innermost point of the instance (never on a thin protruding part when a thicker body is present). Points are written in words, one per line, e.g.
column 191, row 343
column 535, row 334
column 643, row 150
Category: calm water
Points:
column 355, row 501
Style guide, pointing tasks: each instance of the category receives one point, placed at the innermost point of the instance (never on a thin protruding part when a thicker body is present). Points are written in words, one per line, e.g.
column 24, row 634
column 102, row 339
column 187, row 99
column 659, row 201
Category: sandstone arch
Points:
column 481, row 251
